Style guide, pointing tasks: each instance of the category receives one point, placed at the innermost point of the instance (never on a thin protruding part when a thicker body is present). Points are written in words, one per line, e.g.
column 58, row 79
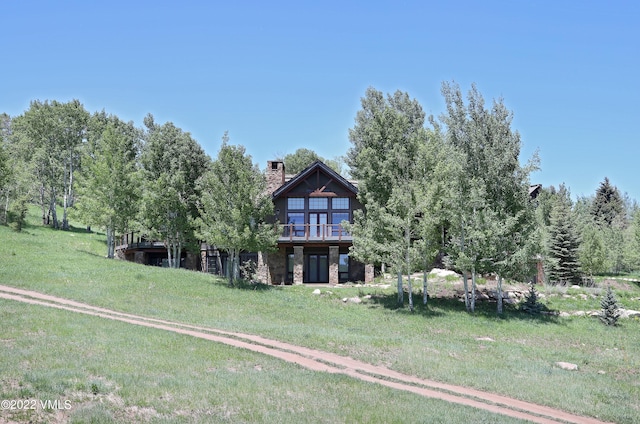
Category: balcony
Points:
column 314, row 233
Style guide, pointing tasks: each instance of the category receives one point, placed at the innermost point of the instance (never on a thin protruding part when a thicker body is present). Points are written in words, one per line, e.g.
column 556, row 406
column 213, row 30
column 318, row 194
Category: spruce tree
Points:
column 563, row 264
column 610, row 308
column 607, row 205
column 531, row 304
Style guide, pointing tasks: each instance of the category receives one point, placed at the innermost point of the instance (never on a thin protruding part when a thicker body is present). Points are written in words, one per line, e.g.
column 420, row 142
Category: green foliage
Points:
column 491, row 217
column 298, row 161
column 608, row 205
column 610, row 309
column 531, row 303
column 18, row 214
column 302, row 158
column 234, row 206
column 172, row 161
column 592, row 252
column 563, row 266
column 52, row 134
column 387, row 157
column 108, row 186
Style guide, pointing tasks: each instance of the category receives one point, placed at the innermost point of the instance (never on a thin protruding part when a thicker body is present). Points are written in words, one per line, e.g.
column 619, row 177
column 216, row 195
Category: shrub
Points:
column 531, row 303
column 610, row 309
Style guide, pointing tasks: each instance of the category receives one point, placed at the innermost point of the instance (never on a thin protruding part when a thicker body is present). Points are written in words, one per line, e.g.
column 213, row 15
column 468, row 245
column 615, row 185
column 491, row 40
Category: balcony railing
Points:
column 314, row 232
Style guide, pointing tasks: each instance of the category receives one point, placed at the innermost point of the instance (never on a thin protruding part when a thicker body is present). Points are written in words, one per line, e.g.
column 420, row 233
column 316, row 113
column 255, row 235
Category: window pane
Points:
column 318, row 203
column 336, row 219
column 295, row 203
column 340, row 203
column 290, row 262
column 295, row 224
column 343, row 265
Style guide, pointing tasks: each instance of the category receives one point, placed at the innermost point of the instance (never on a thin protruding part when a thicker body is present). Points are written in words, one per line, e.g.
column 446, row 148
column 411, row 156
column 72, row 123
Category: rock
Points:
column 443, row 272
column 541, row 295
column 628, row 313
column 567, row 366
column 367, row 297
column 564, row 314
column 601, row 372
column 352, row 300
column 575, row 286
column 579, row 313
column 316, row 291
column 582, row 296
column 485, row 339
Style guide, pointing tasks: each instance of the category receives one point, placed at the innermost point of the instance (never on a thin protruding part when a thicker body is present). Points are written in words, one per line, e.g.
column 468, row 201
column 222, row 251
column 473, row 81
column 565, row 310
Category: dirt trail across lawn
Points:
column 319, row 361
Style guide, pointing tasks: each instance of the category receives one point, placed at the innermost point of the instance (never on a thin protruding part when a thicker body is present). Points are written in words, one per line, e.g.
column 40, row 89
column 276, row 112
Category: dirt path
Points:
column 319, row 361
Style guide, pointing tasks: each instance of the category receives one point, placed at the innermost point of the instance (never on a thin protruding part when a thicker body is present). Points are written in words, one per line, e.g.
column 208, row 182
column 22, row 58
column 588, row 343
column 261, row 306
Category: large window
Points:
column 340, row 203
column 336, row 219
column 295, row 224
column 318, row 203
column 295, row 203
column 343, row 267
column 290, row 263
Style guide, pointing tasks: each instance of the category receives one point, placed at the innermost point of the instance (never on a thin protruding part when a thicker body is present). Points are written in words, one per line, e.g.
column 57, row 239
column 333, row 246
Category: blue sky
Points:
column 283, row 75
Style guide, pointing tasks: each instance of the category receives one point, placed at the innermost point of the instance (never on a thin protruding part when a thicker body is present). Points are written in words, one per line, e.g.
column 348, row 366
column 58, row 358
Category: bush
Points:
column 18, row 214
column 531, row 303
column 610, row 309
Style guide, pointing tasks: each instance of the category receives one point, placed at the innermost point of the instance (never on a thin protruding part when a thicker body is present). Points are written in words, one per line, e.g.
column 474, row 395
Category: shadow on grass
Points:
column 440, row 306
column 246, row 285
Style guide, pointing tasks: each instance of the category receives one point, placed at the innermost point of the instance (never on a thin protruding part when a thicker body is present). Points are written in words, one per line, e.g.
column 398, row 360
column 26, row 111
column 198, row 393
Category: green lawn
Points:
column 114, row 372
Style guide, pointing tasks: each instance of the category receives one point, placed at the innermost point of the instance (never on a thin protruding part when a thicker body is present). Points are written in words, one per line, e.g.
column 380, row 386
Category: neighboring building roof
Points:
column 534, row 190
column 302, row 175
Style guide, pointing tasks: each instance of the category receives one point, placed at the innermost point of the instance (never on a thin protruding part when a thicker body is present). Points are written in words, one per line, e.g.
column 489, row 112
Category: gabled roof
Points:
column 308, row 171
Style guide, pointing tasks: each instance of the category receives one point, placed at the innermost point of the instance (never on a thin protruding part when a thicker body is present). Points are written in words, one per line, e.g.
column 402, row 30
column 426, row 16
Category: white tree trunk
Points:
column 425, row 297
column 499, row 290
column 466, row 290
column 52, row 210
column 473, row 290
column 110, row 243
column 400, row 291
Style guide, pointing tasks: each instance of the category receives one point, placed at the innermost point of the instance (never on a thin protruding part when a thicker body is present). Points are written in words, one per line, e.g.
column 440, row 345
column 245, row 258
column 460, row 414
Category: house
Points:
column 313, row 246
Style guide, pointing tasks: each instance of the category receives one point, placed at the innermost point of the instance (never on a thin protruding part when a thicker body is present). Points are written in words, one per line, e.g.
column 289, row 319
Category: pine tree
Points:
column 531, row 304
column 608, row 204
column 610, row 308
column 564, row 242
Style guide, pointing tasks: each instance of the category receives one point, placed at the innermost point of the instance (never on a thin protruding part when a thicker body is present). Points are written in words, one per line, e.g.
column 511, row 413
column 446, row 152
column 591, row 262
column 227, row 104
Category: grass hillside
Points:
column 115, row 372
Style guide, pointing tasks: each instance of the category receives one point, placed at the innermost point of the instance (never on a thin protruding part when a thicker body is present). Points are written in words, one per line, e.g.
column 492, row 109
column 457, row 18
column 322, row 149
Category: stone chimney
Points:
column 275, row 175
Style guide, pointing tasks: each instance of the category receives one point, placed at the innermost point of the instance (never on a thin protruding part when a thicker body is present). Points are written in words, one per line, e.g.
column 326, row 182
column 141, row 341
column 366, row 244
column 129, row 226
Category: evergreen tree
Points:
column 610, row 309
column 531, row 303
column 563, row 266
column 608, row 204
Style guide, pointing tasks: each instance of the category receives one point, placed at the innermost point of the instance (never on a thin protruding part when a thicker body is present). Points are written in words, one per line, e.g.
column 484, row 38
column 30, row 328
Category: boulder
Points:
column 567, row 366
column 352, row 300
column 629, row 313
column 442, row 272
column 316, row 291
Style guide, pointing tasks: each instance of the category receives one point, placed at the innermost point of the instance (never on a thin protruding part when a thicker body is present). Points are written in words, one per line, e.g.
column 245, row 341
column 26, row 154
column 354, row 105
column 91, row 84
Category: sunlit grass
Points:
column 56, row 353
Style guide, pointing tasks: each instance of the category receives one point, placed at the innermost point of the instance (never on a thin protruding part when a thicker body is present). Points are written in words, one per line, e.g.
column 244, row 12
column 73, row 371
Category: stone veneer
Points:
column 334, row 264
column 275, row 175
column 298, row 264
